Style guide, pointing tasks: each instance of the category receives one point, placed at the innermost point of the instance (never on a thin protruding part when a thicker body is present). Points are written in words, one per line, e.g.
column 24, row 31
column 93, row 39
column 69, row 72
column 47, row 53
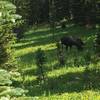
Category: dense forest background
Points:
column 40, row 11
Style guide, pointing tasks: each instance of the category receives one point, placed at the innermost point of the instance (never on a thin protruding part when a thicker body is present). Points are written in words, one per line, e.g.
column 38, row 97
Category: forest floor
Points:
column 69, row 82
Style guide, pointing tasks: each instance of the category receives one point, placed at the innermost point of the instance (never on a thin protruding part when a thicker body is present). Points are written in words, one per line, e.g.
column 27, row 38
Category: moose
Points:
column 69, row 41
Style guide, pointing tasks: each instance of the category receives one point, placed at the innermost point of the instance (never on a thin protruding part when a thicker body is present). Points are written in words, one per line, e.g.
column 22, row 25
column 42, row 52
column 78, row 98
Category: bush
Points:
column 40, row 62
column 6, row 88
column 8, row 19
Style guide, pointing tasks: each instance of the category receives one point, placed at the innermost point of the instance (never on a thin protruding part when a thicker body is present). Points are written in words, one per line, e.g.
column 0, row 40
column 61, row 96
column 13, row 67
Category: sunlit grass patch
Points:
column 34, row 48
column 64, row 70
column 85, row 95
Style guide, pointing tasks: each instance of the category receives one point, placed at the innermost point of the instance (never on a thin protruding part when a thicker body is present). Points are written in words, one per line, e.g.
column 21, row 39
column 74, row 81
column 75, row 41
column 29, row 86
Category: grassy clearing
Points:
column 68, row 82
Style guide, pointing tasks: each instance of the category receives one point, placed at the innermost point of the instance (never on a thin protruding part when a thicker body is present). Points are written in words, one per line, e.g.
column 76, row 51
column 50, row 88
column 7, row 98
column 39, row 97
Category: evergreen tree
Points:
column 62, row 9
column 8, row 18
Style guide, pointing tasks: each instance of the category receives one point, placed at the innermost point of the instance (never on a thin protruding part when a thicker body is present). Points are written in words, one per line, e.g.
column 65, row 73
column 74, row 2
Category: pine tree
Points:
column 8, row 19
column 62, row 9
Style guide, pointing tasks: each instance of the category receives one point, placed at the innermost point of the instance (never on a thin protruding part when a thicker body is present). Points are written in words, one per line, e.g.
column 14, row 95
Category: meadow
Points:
column 77, row 80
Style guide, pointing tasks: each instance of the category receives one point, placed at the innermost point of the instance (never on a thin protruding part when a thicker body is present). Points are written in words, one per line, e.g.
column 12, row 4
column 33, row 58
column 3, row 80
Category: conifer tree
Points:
column 8, row 19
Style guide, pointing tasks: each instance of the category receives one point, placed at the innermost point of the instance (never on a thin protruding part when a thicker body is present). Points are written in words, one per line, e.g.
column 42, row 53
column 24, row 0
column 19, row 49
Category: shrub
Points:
column 6, row 88
column 8, row 19
column 40, row 62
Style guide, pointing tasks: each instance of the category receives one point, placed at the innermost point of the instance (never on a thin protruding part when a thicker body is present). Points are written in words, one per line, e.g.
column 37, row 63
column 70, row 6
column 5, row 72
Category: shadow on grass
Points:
column 52, row 57
column 41, row 38
column 38, row 38
column 29, row 60
column 68, row 83
column 39, row 42
column 45, row 37
column 52, row 60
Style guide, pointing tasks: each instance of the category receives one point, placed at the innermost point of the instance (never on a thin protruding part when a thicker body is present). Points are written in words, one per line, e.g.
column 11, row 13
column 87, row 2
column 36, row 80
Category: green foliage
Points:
column 40, row 62
column 22, row 8
column 40, row 57
column 64, row 82
column 5, row 85
column 8, row 19
column 5, row 78
column 6, row 58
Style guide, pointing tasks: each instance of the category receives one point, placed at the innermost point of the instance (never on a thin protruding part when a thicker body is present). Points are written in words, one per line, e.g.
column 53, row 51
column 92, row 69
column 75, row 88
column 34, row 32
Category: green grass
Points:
column 68, row 82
